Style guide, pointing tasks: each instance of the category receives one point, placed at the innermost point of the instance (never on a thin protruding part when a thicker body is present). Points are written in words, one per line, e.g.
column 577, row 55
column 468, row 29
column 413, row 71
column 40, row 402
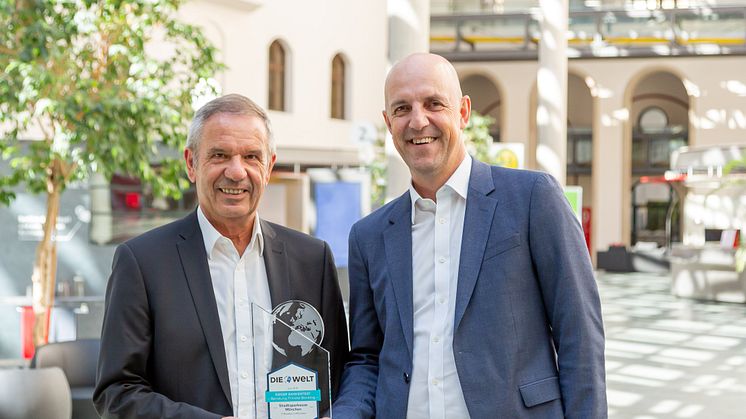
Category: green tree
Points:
column 377, row 167
column 83, row 74
column 477, row 137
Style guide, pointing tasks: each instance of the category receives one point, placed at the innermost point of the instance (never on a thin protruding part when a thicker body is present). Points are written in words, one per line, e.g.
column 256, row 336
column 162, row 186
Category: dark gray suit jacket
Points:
column 162, row 353
column 528, row 338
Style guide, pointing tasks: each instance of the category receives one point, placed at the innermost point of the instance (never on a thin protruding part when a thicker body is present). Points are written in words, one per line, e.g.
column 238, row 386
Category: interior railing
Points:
column 607, row 33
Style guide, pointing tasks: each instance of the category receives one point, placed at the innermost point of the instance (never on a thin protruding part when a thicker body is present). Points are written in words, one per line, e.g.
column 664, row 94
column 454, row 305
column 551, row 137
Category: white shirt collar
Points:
column 211, row 236
column 459, row 182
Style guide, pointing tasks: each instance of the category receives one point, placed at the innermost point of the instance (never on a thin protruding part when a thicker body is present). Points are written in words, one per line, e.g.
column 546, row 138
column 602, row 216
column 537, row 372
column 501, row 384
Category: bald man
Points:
column 472, row 294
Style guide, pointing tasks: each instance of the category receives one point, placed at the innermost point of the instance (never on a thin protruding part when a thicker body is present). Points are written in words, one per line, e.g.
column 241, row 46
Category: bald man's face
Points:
column 426, row 114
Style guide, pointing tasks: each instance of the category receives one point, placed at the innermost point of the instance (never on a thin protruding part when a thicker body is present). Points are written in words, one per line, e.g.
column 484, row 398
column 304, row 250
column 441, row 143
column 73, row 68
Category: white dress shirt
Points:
column 435, row 391
column 238, row 281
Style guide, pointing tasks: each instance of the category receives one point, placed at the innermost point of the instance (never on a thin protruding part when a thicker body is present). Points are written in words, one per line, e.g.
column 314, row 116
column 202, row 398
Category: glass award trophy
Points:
column 291, row 369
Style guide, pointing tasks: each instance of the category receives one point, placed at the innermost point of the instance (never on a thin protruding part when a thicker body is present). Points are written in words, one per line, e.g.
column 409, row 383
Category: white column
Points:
column 608, row 168
column 551, row 113
column 102, row 230
column 409, row 28
column 409, row 32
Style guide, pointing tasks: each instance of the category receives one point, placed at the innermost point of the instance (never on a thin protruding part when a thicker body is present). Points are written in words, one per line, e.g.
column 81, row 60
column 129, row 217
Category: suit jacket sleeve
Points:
column 357, row 394
column 123, row 387
column 570, row 298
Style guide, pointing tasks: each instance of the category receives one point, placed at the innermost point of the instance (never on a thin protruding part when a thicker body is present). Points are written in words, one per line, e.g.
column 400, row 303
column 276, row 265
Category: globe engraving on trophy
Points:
column 306, row 328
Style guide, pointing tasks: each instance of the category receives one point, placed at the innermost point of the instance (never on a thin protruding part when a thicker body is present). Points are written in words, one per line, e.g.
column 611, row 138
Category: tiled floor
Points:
column 669, row 357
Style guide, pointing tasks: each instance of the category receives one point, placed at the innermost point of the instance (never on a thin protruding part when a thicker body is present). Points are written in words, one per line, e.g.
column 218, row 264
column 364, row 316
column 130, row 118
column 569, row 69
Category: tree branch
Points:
column 7, row 51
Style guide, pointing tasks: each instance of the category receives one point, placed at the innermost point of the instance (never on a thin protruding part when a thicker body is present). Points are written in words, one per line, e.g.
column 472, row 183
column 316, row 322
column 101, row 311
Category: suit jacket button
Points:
column 406, row 378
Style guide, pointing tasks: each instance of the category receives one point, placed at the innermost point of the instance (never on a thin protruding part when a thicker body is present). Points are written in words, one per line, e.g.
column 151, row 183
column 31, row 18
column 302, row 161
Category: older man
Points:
column 177, row 334
column 471, row 295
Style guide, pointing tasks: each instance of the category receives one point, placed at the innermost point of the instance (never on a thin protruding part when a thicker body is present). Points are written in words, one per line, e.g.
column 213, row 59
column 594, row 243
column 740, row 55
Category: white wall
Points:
column 314, row 32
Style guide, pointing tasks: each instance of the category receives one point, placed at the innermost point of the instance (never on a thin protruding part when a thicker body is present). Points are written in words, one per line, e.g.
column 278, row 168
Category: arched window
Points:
column 338, row 87
column 276, row 97
column 652, row 119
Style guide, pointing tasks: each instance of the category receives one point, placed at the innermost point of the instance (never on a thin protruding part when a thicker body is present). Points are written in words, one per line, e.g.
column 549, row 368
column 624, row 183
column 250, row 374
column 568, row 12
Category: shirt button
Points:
column 442, row 259
column 442, row 220
column 243, row 338
column 244, row 375
column 435, row 381
column 441, row 300
column 436, row 339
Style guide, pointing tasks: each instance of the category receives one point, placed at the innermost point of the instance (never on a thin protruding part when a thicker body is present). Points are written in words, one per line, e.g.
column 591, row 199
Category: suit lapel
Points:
column 397, row 239
column 480, row 210
column 276, row 264
column 194, row 261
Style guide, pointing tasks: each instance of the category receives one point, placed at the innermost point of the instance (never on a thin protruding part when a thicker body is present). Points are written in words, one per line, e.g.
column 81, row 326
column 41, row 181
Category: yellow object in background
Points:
column 507, row 158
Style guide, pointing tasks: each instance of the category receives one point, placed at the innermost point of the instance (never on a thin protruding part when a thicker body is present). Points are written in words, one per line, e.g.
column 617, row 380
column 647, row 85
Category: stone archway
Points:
column 486, row 99
column 658, row 105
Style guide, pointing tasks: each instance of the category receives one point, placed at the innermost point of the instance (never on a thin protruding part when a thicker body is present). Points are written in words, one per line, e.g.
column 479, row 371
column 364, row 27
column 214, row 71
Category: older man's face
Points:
column 425, row 114
column 230, row 169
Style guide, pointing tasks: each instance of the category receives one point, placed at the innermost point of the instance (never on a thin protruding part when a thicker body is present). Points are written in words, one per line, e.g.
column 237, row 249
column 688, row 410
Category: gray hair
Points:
column 234, row 104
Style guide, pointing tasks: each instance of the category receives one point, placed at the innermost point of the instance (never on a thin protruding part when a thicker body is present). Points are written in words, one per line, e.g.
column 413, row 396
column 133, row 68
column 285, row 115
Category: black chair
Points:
column 78, row 360
column 34, row 393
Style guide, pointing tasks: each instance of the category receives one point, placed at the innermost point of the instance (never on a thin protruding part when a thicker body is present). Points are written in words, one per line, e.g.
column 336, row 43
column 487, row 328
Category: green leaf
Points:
column 121, row 116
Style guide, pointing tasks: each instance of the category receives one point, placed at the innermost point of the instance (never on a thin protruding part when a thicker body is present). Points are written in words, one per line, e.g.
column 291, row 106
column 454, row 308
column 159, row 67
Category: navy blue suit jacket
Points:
column 528, row 335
